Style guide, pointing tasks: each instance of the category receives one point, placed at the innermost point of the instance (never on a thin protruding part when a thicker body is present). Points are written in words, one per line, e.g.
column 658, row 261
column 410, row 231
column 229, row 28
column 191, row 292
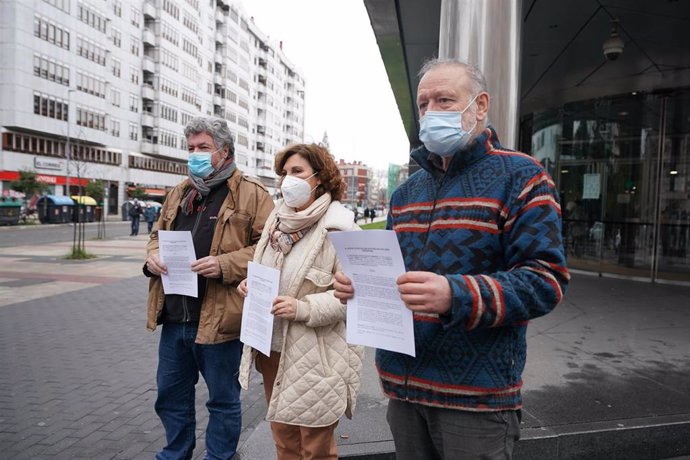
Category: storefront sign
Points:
column 591, row 188
column 49, row 164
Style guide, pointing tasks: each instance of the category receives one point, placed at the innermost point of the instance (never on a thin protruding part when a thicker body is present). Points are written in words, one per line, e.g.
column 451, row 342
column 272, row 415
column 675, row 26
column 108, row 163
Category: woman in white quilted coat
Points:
column 312, row 376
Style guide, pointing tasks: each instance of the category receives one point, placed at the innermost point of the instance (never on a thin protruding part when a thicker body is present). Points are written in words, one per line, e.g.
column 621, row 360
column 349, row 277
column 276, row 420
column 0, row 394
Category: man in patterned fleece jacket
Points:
column 479, row 227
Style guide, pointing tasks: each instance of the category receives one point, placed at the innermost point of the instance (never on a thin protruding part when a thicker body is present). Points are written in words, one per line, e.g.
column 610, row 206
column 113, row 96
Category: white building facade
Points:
column 103, row 89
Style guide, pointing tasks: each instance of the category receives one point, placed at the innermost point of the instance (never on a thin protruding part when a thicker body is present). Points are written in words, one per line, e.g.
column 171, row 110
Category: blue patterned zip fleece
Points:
column 491, row 225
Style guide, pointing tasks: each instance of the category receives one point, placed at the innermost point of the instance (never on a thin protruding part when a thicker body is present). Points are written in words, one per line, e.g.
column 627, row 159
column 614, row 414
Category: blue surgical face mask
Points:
column 199, row 164
column 442, row 132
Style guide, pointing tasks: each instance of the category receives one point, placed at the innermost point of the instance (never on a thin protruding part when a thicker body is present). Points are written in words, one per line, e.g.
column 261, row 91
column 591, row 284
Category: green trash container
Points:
column 10, row 210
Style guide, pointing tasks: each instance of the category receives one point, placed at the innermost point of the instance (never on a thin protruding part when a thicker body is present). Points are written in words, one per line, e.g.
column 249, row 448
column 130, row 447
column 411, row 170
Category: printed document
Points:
column 176, row 250
column 257, row 319
column 376, row 316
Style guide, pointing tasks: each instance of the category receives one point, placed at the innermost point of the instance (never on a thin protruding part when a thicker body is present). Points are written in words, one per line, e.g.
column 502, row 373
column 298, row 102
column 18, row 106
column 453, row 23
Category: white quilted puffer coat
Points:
column 319, row 373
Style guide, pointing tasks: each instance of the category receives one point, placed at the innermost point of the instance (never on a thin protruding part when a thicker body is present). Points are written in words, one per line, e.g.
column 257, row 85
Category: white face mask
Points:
column 296, row 191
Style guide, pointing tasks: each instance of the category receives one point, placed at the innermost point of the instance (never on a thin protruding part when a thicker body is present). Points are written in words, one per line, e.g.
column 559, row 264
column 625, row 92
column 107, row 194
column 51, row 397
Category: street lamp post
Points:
column 69, row 145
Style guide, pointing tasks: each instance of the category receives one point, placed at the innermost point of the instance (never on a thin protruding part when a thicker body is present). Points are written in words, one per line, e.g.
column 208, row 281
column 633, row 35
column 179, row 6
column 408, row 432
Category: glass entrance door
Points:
column 622, row 166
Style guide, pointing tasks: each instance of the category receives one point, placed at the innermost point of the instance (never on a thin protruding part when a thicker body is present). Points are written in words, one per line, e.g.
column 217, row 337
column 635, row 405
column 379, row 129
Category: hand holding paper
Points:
column 376, row 315
column 177, row 253
column 257, row 320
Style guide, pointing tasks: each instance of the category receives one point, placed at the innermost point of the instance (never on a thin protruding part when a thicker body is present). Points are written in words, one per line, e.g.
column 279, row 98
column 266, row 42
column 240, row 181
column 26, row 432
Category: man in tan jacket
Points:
column 225, row 211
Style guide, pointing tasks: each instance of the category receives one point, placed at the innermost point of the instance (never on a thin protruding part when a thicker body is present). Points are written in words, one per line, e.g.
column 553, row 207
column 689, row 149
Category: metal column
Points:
column 487, row 33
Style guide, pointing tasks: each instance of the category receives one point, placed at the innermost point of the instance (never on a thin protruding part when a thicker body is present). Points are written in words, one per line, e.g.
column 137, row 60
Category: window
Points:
column 169, row 33
column 89, row 16
column 168, row 113
column 116, row 67
column 172, row 9
column 115, row 97
column 116, row 36
column 59, row 4
column 133, row 102
column 169, row 59
column 50, row 69
column 134, row 74
column 133, row 131
column 114, row 127
column 91, row 51
column 134, row 45
column 51, row 32
column 91, row 84
column 167, row 86
column 91, row 118
column 50, row 106
column 135, row 17
column 117, row 8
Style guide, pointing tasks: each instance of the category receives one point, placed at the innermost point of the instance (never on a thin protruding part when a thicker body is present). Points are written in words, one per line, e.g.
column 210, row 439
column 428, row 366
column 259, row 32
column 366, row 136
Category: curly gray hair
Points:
column 475, row 75
column 217, row 128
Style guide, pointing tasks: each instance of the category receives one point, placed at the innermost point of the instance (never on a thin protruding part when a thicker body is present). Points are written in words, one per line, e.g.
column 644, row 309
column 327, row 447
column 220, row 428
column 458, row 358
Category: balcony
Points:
column 148, row 65
column 262, row 79
column 147, row 92
column 218, row 57
column 217, row 79
column 217, row 100
column 220, row 17
column 219, row 37
column 148, row 37
column 265, row 171
column 260, row 146
column 149, row 10
column 146, row 146
column 147, row 120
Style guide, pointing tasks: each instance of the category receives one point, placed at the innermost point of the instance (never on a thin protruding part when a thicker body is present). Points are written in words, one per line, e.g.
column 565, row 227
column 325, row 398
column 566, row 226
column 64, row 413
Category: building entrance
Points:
column 622, row 165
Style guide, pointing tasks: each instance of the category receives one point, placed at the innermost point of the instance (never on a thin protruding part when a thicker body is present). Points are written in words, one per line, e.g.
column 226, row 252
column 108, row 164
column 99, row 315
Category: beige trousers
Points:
column 295, row 442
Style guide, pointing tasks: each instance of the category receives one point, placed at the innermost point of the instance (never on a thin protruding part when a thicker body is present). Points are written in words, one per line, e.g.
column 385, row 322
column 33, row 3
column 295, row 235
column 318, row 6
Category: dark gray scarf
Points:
column 202, row 186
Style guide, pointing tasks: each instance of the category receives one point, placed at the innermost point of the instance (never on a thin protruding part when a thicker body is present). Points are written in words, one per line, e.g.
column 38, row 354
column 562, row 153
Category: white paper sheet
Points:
column 257, row 320
column 176, row 250
column 376, row 316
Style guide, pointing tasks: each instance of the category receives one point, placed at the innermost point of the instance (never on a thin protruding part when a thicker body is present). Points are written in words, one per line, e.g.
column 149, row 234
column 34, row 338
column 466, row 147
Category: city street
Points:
column 607, row 371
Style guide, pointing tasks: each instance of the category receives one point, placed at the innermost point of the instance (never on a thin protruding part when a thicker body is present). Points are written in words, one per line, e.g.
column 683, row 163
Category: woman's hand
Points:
column 242, row 288
column 285, row 307
column 343, row 287
column 155, row 265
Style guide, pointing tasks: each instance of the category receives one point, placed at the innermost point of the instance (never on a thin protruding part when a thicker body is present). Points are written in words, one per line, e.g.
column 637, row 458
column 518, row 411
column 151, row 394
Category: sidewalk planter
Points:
column 84, row 209
column 10, row 209
column 53, row 209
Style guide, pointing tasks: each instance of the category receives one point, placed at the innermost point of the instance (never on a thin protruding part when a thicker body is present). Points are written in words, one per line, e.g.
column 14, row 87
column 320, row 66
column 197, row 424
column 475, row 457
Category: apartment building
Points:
column 103, row 89
column 356, row 176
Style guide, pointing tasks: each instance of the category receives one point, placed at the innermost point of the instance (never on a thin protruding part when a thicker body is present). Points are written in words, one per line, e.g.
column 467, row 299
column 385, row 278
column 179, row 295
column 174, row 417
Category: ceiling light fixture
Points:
column 613, row 46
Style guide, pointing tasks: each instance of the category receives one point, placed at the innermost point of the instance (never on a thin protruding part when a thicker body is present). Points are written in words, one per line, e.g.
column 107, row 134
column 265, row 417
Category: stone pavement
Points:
column 608, row 372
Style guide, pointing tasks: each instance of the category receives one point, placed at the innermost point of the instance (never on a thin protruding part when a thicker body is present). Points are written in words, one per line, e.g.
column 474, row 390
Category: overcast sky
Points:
column 347, row 89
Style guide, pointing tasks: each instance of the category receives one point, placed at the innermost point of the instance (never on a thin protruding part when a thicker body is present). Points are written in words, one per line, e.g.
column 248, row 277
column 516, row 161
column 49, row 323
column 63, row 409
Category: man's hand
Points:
column 343, row 288
column 285, row 307
column 155, row 265
column 208, row 267
column 242, row 288
column 425, row 292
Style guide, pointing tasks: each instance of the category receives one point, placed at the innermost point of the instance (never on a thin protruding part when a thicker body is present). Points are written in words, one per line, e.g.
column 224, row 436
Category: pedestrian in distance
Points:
column 225, row 212
column 135, row 212
column 312, row 375
column 150, row 214
column 479, row 228
column 372, row 215
column 367, row 213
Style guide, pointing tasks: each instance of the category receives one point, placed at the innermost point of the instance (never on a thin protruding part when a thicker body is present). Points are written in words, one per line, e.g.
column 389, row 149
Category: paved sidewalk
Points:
column 608, row 372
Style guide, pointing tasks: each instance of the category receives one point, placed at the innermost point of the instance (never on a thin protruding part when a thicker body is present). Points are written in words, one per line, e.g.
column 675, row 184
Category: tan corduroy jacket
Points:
column 319, row 372
column 241, row 220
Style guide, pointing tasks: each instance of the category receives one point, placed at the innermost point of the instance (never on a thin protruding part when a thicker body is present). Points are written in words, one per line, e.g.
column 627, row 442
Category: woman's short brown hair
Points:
column 323, row 164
